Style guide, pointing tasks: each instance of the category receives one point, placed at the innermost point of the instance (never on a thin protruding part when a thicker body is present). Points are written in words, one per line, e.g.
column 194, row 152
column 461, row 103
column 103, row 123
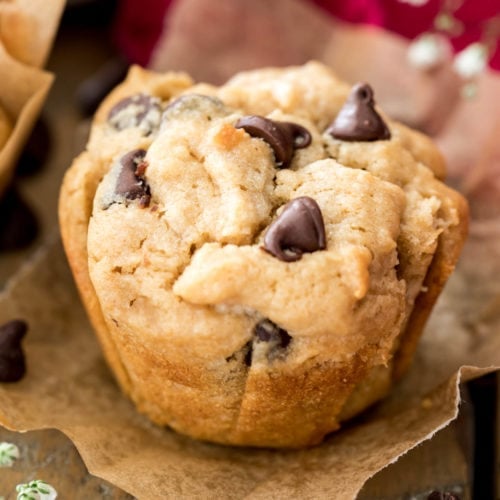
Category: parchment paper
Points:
column 28, row 29
column 22, row 93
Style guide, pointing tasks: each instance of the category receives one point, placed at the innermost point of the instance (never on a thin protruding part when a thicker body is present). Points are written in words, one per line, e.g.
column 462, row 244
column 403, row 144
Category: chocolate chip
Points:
column 438, row 495
column 283, row 137
column 194, row 105
column 248, row 353
column 12, row 364
column 130, row 182
column 267, row 331
column 140, row 110
column 298, row 229
column 358, row 120
column 276, row 338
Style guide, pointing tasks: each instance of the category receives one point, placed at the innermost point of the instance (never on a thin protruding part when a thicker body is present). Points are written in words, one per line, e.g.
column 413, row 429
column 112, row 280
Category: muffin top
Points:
column 280, row 217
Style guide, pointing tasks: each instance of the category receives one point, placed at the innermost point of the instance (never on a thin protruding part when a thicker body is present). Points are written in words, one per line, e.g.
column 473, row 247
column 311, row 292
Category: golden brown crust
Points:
column 450, row 245
column 75, row 208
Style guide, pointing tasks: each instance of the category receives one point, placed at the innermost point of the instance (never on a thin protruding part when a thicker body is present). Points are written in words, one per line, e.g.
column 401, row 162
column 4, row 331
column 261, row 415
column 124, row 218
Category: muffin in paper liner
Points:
column 27, row 31
column 22, row 93
column 205, row 331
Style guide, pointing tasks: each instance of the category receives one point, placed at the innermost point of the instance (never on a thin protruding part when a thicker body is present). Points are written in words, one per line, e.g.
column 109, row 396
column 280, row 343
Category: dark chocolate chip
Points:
column 298, row 229
column 266, row 331
column 18, row 223
column 12, row 364
column 358, row 120
column 134, row 111
column 193, row 107
column 438, row 495
column 197, row 103
column 248, row 353
column 130, row 182
column 283, row 137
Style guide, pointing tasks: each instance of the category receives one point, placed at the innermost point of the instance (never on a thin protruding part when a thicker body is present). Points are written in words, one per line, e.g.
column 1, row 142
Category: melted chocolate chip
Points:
column 12, row 364
column 194, row 102
column 283, row 137
column 266, row 331
column 130, row 182
column 298, row 229
column 438, row 495
column 140, row 110
column 358, row 120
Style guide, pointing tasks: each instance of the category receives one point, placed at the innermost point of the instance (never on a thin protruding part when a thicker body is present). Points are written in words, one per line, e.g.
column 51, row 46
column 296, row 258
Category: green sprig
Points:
column 9, row 453
column 36, row 490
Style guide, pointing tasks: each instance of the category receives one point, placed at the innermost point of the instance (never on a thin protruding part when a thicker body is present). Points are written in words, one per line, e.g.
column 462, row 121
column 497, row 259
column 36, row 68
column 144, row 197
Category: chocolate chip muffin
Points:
column 258, row 259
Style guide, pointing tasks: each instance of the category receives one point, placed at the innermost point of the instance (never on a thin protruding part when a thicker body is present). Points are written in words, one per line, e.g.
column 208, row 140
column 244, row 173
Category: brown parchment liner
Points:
column 28, row 28
column 68, row 387
column 22, row 93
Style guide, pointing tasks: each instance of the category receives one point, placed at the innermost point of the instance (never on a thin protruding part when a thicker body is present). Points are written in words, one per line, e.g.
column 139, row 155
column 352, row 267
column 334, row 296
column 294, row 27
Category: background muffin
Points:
column 5, row 127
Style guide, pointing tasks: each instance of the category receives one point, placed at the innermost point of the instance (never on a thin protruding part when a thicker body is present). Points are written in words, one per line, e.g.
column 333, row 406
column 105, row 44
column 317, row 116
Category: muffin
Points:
column 258, row 259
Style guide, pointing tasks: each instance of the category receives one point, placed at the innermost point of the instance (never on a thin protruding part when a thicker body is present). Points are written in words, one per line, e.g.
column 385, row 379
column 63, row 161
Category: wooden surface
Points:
column 50, row 456
column 439, row 464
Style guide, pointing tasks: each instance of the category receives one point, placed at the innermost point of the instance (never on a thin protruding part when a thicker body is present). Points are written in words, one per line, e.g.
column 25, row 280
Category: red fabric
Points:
column 139, row 23
column 410, row 21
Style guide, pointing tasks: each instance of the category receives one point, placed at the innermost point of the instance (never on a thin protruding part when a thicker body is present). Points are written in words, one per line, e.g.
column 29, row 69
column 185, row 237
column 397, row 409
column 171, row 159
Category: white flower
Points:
column 471, row 61
column 428, row 51
column 36, row 490
column 9, row 453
